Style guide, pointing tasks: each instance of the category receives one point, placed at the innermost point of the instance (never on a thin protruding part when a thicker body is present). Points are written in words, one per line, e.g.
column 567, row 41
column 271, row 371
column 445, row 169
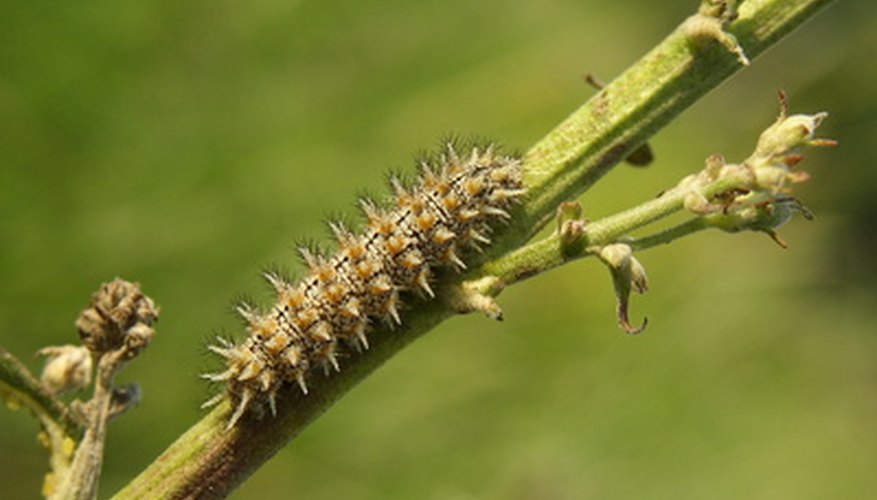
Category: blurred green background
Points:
column 187, row 144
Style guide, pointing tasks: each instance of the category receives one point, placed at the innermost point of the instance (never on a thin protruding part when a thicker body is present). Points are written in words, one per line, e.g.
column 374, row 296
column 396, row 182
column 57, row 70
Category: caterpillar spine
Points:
column 453, row 206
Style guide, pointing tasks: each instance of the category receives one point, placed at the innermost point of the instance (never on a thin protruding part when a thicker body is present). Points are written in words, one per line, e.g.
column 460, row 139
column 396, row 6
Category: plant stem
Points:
column 209, row 461
column 16, row 382
column 540, row 256
column 81, row 482
column 687, row 228
column 18, row 386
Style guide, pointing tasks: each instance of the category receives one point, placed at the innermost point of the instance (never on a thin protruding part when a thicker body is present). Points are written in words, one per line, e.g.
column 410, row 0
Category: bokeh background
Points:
column 186, row 145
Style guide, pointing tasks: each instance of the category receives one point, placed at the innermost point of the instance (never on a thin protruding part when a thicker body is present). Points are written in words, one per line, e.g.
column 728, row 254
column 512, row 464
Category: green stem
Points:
column 19, row 387
column 687, row 228
column 208, row 461
column 610, row 228
column 17, row 383
column 552, row 251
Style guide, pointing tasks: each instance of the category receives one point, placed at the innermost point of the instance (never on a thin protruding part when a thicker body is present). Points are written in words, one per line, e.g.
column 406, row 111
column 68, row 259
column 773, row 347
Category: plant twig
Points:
column 18, row 384
column 552, row 251
column 60, row 430
column 208, row 461
column 116, row 328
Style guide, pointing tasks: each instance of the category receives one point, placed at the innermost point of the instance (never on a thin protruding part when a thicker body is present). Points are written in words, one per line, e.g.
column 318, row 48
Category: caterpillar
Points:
column 452, row 206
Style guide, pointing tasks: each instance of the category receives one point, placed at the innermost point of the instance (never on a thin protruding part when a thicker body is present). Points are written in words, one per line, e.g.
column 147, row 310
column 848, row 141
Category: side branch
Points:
column 19, row 386
column 556, row 249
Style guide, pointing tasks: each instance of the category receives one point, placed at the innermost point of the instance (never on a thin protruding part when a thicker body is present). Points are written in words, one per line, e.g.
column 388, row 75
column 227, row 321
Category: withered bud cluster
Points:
column 120, row 315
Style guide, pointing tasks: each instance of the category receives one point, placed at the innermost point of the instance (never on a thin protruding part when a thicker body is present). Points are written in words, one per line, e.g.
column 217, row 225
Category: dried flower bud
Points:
column 67, row 368
column 139, row 336
column 570, row 224
column 628, row 274
column 116, row 309
column 638, row 277
column 763, row 203
column 751, row 218
column 778, row 149
column 787, row 135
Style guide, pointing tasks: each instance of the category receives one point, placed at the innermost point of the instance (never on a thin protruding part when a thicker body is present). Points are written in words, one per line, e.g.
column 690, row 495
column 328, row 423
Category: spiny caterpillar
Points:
column 452, row 205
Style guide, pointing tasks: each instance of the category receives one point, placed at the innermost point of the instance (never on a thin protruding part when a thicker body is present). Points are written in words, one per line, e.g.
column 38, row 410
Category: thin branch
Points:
column 687, row 228
column 19, row 387
column 552, row 251
column 116, row 328
column 209, row 461
column 17, row 383
column 82, row 480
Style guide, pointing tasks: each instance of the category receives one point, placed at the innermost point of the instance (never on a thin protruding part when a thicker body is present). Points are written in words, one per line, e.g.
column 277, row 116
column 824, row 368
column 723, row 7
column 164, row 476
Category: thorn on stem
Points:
column 776, row 238
column 593, row 81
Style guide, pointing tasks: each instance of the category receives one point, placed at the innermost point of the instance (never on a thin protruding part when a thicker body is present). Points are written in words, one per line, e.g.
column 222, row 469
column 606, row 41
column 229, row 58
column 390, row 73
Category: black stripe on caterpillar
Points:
column 453, row 206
